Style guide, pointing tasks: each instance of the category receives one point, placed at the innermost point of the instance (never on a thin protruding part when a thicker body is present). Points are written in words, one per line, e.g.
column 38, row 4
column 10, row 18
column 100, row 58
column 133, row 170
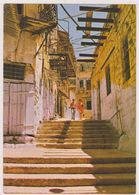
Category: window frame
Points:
column 14, row 71
column 88, row 85
column 81, row 87
column 108, row 79
column 88, row 108
column 125, row 59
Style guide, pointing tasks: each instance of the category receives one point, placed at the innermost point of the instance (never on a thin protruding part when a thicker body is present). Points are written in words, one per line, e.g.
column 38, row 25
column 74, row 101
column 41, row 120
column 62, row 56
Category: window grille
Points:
column 88, row 105
column 108, row 80
column 81, row 68
column 126, row 62
column 81, row 83
column 88, row 84
column 12, row 71
column 20, row 8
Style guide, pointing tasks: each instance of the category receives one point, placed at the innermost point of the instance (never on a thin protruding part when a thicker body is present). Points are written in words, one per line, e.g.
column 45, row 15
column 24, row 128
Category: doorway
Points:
column 18, row 109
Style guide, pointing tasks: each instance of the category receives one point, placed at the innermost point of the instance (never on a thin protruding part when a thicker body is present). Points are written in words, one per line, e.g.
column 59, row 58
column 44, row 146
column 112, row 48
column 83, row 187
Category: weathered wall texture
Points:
column 120, row 105
column 20, row 47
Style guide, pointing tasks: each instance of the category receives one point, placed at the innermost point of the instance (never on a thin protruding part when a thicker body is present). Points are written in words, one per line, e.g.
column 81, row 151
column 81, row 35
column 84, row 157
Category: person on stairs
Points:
column 73, row 107
column 80, row 108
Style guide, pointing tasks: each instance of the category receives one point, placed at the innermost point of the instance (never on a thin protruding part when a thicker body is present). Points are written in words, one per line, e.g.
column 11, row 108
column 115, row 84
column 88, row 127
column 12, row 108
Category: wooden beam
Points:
column 100, row 37
column 93, row 28
column 57, row 54
column 86, row 60
column 89, row 14
column 88, row 55
column 101, row 20
column 92, row 44
column 99, row 9
column 57, row 60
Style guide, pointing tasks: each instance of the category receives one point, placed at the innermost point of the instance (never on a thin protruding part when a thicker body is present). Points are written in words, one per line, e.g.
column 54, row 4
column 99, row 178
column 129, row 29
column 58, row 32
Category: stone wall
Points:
column 120, row 105
column 22, row 47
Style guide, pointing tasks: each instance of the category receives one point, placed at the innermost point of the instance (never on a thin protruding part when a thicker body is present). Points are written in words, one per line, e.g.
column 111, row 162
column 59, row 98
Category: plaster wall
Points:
column 120, row 105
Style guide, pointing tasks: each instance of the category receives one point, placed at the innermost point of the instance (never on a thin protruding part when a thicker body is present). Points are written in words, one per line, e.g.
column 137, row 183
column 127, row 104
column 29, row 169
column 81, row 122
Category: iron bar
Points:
column 55, row 60
column 73, row 19
column 93, row 28
column 100, row 37
column 86, row 60
column 88, row 55
column 91, row 43
column 101, row 20
column 99, row 9
column 57, row 54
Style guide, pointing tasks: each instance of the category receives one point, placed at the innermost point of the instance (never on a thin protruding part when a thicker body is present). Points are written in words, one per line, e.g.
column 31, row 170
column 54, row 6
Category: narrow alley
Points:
column 69, row 99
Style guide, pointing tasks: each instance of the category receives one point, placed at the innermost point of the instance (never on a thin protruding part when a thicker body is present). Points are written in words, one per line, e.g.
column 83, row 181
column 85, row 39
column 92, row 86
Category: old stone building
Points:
column 114, row 77
column 83, row 86
column 62, row 60
column 48, row 146
column 33, row 89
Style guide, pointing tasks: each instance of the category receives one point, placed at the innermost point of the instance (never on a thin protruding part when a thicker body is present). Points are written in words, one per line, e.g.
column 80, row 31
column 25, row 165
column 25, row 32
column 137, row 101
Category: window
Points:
column 20, row 9
column 88, row 105
column 81, row 83
column 72, row 81
column 108, row 80
column 81, row 68
column 126, row 62
column 16, row 72
column 88, row 84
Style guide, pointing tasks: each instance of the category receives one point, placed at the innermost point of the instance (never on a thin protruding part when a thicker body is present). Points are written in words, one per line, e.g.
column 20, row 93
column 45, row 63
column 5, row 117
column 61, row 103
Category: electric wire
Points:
column 73, row 19
column 72, row 16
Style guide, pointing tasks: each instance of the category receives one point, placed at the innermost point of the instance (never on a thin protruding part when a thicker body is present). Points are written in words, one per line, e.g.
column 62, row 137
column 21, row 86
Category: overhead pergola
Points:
column 88, row 55
column 100, row 37
column 101, row 20
column 95, row 38
column 61, row 63
column 92, row 43
column 99, row 9
column 86, row 60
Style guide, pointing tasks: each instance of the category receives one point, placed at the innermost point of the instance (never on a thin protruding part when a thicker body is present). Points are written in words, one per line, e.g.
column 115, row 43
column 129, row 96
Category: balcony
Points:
column 46, row 21
column 48, row 13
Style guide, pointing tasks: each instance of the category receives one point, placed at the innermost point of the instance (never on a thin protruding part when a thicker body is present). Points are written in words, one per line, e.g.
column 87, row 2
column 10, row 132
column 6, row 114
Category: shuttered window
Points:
column 88, row 84
column 88, row 105
column 126, row 62
column 81, row 83
column 108, row 80
column 16, row 72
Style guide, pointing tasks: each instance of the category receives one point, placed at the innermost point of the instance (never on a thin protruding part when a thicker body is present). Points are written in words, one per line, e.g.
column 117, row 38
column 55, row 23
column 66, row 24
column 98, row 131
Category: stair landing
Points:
column 93, row 182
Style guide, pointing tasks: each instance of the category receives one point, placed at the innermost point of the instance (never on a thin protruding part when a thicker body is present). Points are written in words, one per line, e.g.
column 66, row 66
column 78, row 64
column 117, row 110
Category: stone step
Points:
column 77, row 135
column 68, row 179
column 57, row 127
column 70, row 159
column 76, row 125
column 75, row 140
column 76, row 122
column 71, row 146
column 70, row 132
column 68, row 168
column 112, row 189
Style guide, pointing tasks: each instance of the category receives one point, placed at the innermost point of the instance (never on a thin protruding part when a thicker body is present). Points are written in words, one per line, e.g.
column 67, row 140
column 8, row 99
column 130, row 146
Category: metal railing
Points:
column 49, row 12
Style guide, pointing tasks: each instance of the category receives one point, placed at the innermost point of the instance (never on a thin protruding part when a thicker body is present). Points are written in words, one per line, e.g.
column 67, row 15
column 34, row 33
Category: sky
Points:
column 76, row 36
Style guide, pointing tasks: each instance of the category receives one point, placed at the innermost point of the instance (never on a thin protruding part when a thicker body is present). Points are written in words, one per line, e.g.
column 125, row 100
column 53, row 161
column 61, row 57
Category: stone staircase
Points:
column 77, row 134
column 71, row 158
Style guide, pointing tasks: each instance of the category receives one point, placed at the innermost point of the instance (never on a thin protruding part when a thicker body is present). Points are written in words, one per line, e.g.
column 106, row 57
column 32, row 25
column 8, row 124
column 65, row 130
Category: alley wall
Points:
column 116, row 100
